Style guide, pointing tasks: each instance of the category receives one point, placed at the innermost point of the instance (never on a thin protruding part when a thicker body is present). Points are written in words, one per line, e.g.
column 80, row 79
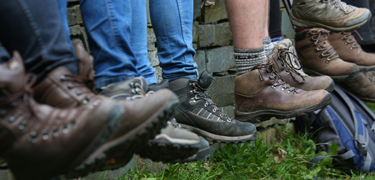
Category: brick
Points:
column 221, row 90
column 153, row 58
column 220, row 59
column 228, row 110
column 158, row 73
column 198, row 4
column 76, row 41
column 75, row 30
column 74, row 15
column 195, row 31
column 151, row 39
column 200, row 59
column 214, row 35
column 215, row 13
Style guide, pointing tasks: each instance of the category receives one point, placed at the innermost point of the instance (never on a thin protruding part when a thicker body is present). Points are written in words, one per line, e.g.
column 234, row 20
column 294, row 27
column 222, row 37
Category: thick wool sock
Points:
column 246, row 59
column 268, row 46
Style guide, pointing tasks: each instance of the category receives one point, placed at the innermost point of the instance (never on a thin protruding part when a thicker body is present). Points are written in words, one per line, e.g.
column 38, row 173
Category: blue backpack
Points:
column 349, row 123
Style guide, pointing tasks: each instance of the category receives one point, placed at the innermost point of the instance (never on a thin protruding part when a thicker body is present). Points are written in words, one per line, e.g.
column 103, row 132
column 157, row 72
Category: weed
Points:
column 286, row 159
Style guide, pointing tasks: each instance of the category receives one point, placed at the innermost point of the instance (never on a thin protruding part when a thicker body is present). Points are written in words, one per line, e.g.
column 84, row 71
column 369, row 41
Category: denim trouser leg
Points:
column 34, row 28
column 114, row 38
column 172, row 21
column 62, row 4
column 4, row 55
column 138, row 41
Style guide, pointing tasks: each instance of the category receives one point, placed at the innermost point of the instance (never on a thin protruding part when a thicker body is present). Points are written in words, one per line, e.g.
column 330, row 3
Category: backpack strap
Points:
column 361, row 104
column 360, row 135
column 341, row 157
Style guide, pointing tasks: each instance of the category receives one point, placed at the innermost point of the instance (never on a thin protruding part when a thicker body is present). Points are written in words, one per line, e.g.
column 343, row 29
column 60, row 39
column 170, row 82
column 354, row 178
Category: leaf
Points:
column 333, row 149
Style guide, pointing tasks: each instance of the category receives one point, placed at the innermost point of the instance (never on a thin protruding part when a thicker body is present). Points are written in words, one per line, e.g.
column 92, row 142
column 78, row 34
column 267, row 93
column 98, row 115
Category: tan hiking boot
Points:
column 319, row 58
column 349, row 50
column 143, row 117
column 329, row 14
column 285, row 58
column 363, row 86
column 262, row 93
column 42, row 142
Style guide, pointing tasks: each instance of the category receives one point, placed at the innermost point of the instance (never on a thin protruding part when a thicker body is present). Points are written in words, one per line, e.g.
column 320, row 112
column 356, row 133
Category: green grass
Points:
column 285, row 159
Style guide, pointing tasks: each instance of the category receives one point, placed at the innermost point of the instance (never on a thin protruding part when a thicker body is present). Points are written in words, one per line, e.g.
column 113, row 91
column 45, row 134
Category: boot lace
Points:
column 292, row 63
column 341, row 5
column 323, row 45
column 276, row 78
column 83, row 85
column 199, row 94
column 351, row 40
column 174, row 123
column 24, row 101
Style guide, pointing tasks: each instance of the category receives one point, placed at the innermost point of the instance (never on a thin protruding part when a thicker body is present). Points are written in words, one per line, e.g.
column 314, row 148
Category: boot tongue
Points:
column 205, row 79
column 85, row 63
column 13, row 72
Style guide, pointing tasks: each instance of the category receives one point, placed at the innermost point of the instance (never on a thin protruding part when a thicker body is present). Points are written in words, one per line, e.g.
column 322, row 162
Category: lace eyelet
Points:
column 78, row 92
column 214, row 110
column 70, row 86
column 62, row 78
column 11, row 119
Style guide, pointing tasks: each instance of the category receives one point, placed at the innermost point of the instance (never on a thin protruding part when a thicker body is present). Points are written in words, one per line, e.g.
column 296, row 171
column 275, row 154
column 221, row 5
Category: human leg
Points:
column 259, row 92
column 172, row 21
column 267, row 43
column 114, row 41
column 37, row 36
column 274, row 27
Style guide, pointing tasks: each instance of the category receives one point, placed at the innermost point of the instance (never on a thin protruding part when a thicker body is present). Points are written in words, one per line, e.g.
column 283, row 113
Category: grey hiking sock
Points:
column 246, row 59
column 268, row 46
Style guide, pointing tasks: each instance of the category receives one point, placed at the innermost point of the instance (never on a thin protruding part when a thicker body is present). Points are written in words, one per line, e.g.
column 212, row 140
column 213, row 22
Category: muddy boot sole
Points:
column 350, row 76
column 331, row 87
column 168, row 152
column 311, row 24
column 200, row 155
column 266, row 114
column 118, row 153
column 210, row 137
column 269, row 122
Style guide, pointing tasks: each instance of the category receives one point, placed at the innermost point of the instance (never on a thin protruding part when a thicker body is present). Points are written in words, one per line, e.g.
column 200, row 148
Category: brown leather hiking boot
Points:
column 363, row 86
column 42, row 142
column 262, row 93
column 143, row 117
column 319, row 58
column 284, row 56
column 349, row 50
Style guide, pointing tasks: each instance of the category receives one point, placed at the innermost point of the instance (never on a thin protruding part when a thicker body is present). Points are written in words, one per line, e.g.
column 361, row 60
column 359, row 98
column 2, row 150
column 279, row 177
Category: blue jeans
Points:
column 117, row 33
column 35, row 30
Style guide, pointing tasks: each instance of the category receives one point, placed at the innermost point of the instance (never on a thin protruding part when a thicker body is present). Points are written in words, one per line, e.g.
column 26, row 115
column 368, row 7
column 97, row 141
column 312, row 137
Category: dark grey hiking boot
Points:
column 199, row 113
column 172, row 144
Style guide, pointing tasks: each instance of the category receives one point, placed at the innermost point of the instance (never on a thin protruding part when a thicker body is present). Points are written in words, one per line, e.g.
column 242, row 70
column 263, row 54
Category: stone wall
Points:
column 214, row 46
